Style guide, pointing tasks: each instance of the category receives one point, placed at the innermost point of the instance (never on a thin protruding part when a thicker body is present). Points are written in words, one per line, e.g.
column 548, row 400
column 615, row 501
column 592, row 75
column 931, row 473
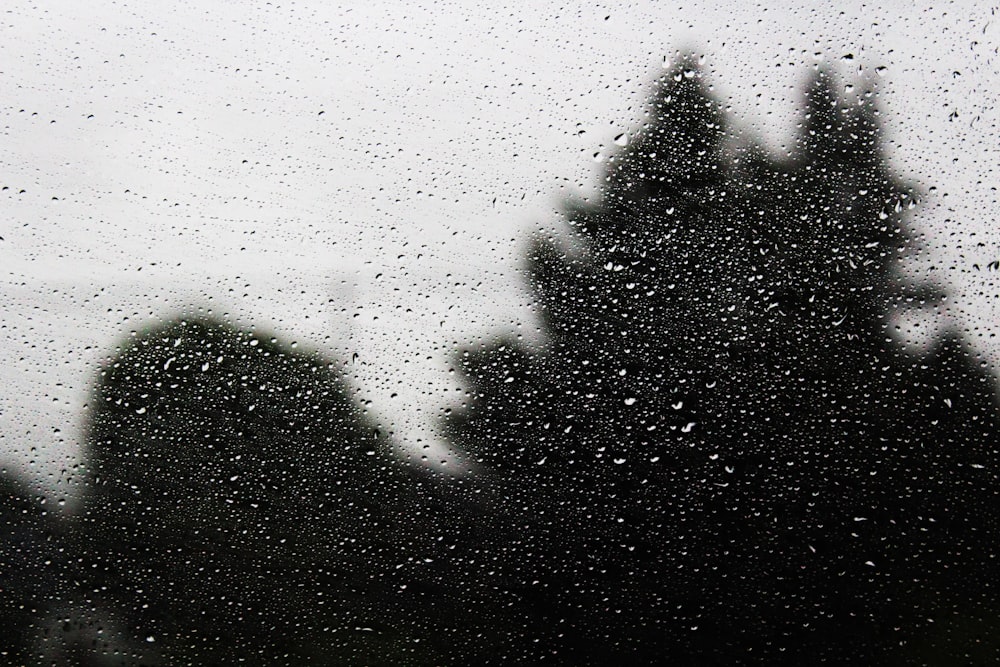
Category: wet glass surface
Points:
column 653, row 334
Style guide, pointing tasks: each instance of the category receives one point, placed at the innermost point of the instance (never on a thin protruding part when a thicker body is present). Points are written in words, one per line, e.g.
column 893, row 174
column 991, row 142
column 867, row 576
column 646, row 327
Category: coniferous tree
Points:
column 719, row 455
column 595, row 432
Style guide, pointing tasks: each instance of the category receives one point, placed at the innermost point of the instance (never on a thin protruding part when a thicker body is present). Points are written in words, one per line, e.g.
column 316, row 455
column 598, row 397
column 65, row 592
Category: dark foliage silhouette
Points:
column 242, row 509
column 719, row 456
column 29, row 566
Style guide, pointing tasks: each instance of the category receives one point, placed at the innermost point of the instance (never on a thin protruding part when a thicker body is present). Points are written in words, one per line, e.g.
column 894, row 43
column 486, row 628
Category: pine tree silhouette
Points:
column 718, row 455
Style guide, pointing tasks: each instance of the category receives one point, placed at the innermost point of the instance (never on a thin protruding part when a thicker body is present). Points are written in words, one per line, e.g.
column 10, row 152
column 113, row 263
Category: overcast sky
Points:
column 362, row 177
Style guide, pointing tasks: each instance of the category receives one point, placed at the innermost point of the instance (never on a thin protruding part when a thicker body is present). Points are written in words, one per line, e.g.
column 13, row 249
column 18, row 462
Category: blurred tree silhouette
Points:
column 719, row 456
column 242, row 509
column 30, row 566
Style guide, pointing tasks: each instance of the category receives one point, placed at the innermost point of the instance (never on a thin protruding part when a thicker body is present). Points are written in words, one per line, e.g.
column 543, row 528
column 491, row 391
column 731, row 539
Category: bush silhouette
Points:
column 242, row 508
column 31, row 573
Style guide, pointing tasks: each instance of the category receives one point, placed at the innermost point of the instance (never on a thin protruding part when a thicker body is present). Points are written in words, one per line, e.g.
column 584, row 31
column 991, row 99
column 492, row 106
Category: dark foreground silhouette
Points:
column 718, row 456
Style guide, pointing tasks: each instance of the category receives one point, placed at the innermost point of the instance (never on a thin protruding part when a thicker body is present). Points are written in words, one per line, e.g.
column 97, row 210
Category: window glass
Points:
column 452, row 334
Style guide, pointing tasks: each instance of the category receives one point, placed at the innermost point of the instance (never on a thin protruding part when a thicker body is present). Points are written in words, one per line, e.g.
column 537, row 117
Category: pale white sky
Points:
column 297, row 163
